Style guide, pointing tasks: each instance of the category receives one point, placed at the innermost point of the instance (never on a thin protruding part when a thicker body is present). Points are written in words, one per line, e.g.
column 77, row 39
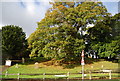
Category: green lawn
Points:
column 59, row 69
column 31, row 69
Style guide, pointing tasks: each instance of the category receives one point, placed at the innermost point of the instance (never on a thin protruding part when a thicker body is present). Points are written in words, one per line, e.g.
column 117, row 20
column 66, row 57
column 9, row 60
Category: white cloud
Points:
column 26, row 17
column 30, row 7
column 25, row 13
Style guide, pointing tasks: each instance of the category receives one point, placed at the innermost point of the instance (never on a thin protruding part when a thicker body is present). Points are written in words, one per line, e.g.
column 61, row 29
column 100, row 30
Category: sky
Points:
column 26, row 14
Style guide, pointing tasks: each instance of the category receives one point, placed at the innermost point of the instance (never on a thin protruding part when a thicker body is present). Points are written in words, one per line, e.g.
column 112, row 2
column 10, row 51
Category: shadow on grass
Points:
column 65, row 62
column 34, row 60
column 71, row 64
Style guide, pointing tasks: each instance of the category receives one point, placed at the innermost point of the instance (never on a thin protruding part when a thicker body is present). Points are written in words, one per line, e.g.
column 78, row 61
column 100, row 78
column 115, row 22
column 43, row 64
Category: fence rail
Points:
column 55, row 73
column 65, row 75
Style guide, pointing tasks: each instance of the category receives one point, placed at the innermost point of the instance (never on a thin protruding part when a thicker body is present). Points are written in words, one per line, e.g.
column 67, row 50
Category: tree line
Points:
column 67, row 29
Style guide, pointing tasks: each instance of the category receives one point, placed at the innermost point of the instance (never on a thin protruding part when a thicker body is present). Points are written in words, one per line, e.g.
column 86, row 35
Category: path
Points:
column 3, row 68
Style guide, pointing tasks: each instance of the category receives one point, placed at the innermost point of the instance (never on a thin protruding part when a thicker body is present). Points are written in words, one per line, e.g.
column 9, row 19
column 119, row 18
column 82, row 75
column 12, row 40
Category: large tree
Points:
column 59, row 34
column 13, row 40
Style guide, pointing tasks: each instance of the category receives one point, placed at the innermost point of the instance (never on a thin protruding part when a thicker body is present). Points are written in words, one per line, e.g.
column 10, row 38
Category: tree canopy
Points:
column 75, row 14
column 105, row 37
column 13, row 40
column 61, row 33
column 55, row 42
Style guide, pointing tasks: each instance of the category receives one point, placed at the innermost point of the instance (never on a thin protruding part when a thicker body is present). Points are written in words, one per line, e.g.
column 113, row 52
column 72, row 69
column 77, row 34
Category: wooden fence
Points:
column 89, row 74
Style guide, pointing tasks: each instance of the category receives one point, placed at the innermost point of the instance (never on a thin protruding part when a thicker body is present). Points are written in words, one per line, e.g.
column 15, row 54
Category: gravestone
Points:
column 23, row 60
column 8, row 62
column 16, row 66
column 36, row 65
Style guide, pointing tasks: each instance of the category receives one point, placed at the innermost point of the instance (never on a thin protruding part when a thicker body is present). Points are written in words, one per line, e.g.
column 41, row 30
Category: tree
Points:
column 76, row 14
column 55, row 42
column 13, row 41
column 59, row 34
column 115, row 23
column 105, row 37
column 110, row 50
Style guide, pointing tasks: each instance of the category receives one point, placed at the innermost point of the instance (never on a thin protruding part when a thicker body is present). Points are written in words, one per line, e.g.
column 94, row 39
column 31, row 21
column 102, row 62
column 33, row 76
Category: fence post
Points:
column 90, row 75
column 110, row 75
column 18, row 76
column 16, row 66
column 68, row 75
column 23, row 60
column 6, row 73
column 43, row 76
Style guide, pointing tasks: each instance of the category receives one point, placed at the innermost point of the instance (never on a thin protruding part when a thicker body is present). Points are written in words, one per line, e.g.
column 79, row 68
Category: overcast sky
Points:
column 27, row 14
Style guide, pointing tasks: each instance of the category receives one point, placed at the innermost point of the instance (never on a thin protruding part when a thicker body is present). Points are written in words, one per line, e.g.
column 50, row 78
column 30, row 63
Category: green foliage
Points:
column 105, row 37
column 115, row 24
column 78, row 15
column 100, row 32
column 39, row 39
column 111, row 49
column 13, row 41
column 55, row 42
column 59, row 36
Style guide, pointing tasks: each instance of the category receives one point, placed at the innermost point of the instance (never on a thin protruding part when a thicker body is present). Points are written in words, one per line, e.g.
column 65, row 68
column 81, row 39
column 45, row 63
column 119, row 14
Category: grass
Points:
column 59, row 69
column 53, row 77
column 43, row 68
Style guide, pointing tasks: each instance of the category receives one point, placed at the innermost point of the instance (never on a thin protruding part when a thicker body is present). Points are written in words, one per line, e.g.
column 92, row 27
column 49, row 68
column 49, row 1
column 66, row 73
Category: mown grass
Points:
column 70, row 76
column 53, row 69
